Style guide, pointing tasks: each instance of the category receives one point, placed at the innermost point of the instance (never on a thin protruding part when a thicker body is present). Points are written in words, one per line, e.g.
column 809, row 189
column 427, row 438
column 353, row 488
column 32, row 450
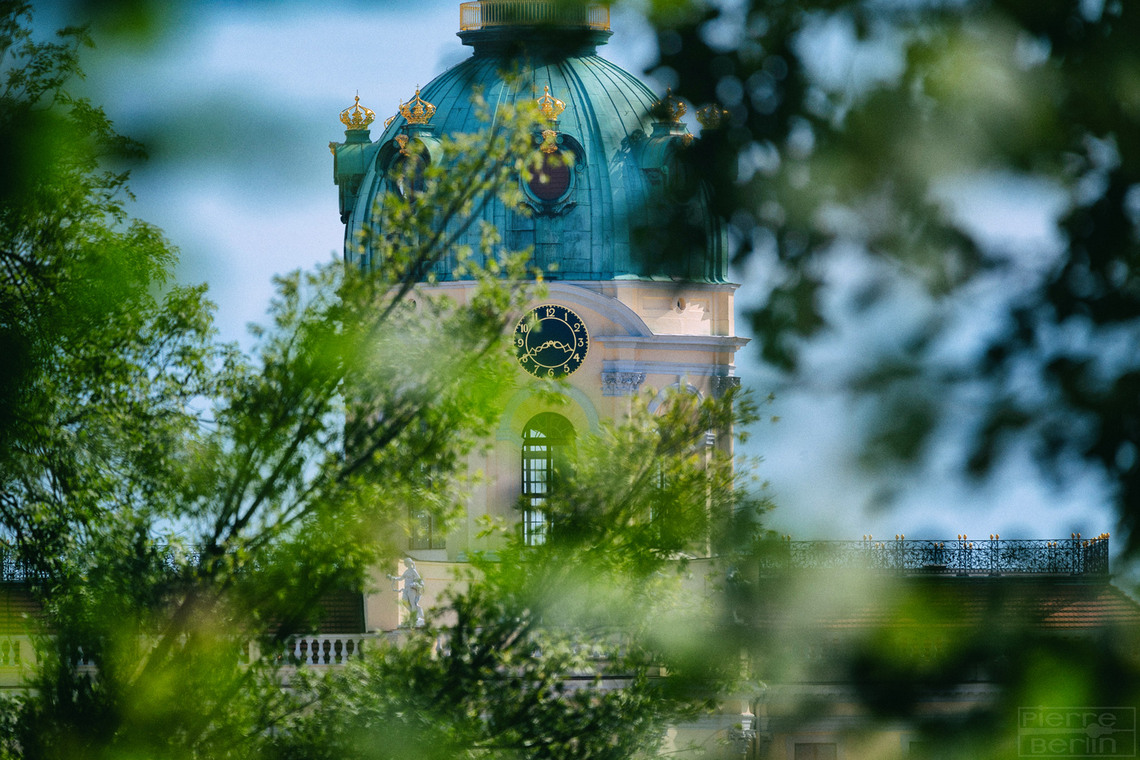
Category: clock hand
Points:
column 549, row 344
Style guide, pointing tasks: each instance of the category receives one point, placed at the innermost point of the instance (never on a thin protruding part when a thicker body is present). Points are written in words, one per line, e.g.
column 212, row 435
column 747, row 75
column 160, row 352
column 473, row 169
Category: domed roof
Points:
column 586, row 218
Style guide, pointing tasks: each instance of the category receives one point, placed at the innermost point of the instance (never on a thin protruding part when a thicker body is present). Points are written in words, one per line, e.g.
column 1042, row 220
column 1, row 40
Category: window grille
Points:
column 546, row 440
column 424, row 532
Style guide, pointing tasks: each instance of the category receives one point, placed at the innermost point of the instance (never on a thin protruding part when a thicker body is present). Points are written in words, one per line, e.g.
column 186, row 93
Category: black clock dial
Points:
column 551, row 341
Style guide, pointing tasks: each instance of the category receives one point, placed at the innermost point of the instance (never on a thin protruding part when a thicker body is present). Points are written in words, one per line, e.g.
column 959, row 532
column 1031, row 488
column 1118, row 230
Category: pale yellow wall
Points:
column 678, row 335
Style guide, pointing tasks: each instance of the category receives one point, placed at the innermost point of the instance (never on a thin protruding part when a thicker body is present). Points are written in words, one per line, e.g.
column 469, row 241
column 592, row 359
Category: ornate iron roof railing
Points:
column 994, row 556
column 963, row 556
column 14, row 570
column 483, row 14
column 11, row 569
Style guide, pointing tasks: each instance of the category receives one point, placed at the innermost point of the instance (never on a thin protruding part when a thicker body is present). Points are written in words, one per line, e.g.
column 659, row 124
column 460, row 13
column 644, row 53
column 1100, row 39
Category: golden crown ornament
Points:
column 357, row 116
column 550, row 106
column 669, row 108
column 417, row 110
column 712, row 116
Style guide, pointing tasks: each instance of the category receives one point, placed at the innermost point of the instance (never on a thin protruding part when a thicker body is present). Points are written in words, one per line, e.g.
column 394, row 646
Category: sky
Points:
column 237, row 102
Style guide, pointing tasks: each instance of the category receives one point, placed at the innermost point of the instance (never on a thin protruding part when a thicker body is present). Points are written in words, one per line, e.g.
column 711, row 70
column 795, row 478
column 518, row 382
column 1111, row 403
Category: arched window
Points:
column 547, row 438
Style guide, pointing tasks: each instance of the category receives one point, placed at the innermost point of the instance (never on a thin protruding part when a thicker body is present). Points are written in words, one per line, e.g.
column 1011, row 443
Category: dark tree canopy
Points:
column 823, row 155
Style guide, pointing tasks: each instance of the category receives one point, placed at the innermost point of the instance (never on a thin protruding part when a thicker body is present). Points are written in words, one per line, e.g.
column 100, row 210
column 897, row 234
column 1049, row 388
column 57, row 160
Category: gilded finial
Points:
column 357, row 116
column 417, row 110
column 712, row 116
column 550, row 106
column 669, row 108
column 549, row 141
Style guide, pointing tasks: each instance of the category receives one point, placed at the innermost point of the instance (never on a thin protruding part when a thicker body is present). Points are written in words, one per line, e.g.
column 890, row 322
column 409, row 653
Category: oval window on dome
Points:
column 551, row 181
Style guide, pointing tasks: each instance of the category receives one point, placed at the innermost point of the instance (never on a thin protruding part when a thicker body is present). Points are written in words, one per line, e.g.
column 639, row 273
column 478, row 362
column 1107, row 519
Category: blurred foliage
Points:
column 556, row 650
column 492, row 683
column 857, row 134
column 170, row 500
column 865, row 126
column 175, row 500
column 926, row 663
column 178, row 507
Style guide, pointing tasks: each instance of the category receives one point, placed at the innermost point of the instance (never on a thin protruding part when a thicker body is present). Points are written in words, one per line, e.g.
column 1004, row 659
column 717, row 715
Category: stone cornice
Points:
column 674, row 342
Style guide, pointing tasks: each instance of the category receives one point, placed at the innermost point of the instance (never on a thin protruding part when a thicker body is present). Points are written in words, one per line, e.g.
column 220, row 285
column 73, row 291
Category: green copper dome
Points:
column 585, row 223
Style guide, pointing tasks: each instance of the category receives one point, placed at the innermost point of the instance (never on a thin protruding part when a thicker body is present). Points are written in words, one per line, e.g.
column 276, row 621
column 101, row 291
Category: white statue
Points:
column 412, row 591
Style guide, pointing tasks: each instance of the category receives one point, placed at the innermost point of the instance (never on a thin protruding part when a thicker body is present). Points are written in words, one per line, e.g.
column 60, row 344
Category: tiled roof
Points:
column 341, row 611
column 1088, row 608
column 1044, row 603
column 18, row 609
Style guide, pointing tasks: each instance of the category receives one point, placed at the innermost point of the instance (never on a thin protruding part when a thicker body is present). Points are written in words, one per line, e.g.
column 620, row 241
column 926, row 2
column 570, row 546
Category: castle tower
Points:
column 632, row 319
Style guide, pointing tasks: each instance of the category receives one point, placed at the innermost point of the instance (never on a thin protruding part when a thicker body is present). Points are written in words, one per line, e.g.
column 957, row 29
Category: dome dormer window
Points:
column 550, row 189
column 551, row 182
column 407, row 174
column 583, row 206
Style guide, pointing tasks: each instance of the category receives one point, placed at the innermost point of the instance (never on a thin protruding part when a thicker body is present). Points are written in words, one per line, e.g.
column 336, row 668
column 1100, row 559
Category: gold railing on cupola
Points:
column 484, row 14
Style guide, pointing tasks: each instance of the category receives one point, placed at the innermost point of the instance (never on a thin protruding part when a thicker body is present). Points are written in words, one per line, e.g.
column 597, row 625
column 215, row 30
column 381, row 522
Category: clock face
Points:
column 551, row 341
